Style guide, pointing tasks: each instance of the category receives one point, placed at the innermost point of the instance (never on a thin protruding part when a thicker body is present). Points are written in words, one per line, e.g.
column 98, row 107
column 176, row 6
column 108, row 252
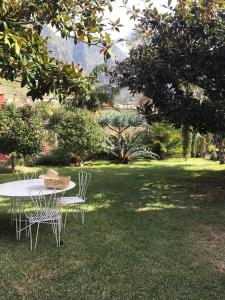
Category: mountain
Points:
column 67, row 51
column 87, row 57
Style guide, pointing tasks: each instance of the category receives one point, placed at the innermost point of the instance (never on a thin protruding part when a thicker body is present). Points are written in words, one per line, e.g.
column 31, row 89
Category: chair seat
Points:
column 44, row 216
column 71, row 200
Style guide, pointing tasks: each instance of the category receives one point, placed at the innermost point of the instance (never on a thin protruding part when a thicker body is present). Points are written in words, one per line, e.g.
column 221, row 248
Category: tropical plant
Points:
column 103, row 93
column 163, row 139
column 119, row 123
column 45, row 110
column 131, row 148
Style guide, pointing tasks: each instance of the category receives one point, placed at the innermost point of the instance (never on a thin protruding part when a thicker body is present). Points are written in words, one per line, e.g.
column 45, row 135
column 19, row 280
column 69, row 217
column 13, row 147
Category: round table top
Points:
column 27, row 188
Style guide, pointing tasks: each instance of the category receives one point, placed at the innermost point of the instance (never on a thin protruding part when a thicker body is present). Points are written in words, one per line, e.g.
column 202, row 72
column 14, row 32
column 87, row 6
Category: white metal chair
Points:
column 27, row 176
column 46, row 211
column 80, row 199
column 20, row 176
column 18, row 206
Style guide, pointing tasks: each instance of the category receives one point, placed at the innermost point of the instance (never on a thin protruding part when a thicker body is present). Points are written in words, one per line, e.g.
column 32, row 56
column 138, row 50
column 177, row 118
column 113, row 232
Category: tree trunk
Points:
column 204, row 148
column 194, row 145
column 187, row 140
column 222, row 158
column 221, row 153
column 119, row 146
column 220, row 145
column 13, row 163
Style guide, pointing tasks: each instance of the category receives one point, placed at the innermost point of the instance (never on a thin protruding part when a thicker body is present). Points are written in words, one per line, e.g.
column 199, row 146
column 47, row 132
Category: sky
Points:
column 119, row 12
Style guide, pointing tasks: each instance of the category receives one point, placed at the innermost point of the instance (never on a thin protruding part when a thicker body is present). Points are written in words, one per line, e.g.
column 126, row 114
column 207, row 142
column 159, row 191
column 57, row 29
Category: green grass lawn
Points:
column 153, row 230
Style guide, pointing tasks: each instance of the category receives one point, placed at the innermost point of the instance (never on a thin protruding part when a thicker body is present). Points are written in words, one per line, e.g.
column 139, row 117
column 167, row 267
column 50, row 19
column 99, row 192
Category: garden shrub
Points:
column 163, row 139
column 214, row 156
column 79, row 134
column 21, row 132
column 57, row 156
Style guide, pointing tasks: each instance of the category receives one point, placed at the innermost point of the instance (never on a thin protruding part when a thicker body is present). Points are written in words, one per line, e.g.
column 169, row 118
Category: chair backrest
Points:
column 27, row 176
column 43, row 203
column 84, row 180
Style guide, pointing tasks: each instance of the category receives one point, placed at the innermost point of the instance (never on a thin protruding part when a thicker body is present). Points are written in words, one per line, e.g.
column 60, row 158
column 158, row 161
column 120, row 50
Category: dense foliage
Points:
column 21, row 132
column 163, row 139
column 119, row 122
column 79, row 134
column 180, row 64
column 57, row 156
column 98, row 93
column 24, row 53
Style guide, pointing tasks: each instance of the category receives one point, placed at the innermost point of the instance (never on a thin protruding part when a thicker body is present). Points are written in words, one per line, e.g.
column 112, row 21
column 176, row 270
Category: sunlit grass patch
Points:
column 159, row 206
column 153, row 230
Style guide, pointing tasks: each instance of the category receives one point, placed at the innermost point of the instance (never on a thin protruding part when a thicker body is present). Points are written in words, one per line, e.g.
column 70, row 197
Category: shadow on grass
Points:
column 134, row 244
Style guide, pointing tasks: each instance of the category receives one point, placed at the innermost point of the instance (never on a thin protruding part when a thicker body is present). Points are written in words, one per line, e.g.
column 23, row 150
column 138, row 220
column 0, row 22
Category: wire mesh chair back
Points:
column 47, row 212
column 43, row 203
column 84, row 180
column 27, row 176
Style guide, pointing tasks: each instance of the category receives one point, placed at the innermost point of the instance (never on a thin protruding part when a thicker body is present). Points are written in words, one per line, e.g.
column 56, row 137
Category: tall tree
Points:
column 180, row 64
column 23, row 51
column 187, row 141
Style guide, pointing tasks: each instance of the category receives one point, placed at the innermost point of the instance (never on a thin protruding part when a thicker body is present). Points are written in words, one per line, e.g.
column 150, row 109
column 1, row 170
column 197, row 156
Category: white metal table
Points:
column 27, row 188
column 22, row 189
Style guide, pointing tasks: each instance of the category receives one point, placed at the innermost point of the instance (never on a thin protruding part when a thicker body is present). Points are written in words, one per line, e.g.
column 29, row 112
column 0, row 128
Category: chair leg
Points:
column 30, row 233
column 82, row 215
column 64, row 225
column 17, row 234
column 21, row 215
column 27, row 228
column 19, row 222
column 36, row 235
column 11, row 204
column 55, row 231
column 13, row 211
column 77, row 210
column 53, row 227
column 59, row 231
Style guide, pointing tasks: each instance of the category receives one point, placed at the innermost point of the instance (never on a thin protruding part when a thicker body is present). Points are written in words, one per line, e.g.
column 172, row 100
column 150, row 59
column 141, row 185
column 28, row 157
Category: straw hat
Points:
column 50, row 174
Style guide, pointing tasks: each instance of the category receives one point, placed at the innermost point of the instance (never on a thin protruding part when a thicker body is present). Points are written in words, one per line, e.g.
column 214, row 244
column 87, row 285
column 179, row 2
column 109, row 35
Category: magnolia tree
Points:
column 23, row 51
column 21, row 132
column 179, row 63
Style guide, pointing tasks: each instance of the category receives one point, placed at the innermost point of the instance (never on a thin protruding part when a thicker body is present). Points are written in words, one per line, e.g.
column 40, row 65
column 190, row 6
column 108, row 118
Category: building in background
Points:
column 2, row 98
column 12, row 92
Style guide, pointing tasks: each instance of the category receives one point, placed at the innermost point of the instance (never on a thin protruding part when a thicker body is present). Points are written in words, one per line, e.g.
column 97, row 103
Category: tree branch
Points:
column 125, row 128
column 113, row 129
